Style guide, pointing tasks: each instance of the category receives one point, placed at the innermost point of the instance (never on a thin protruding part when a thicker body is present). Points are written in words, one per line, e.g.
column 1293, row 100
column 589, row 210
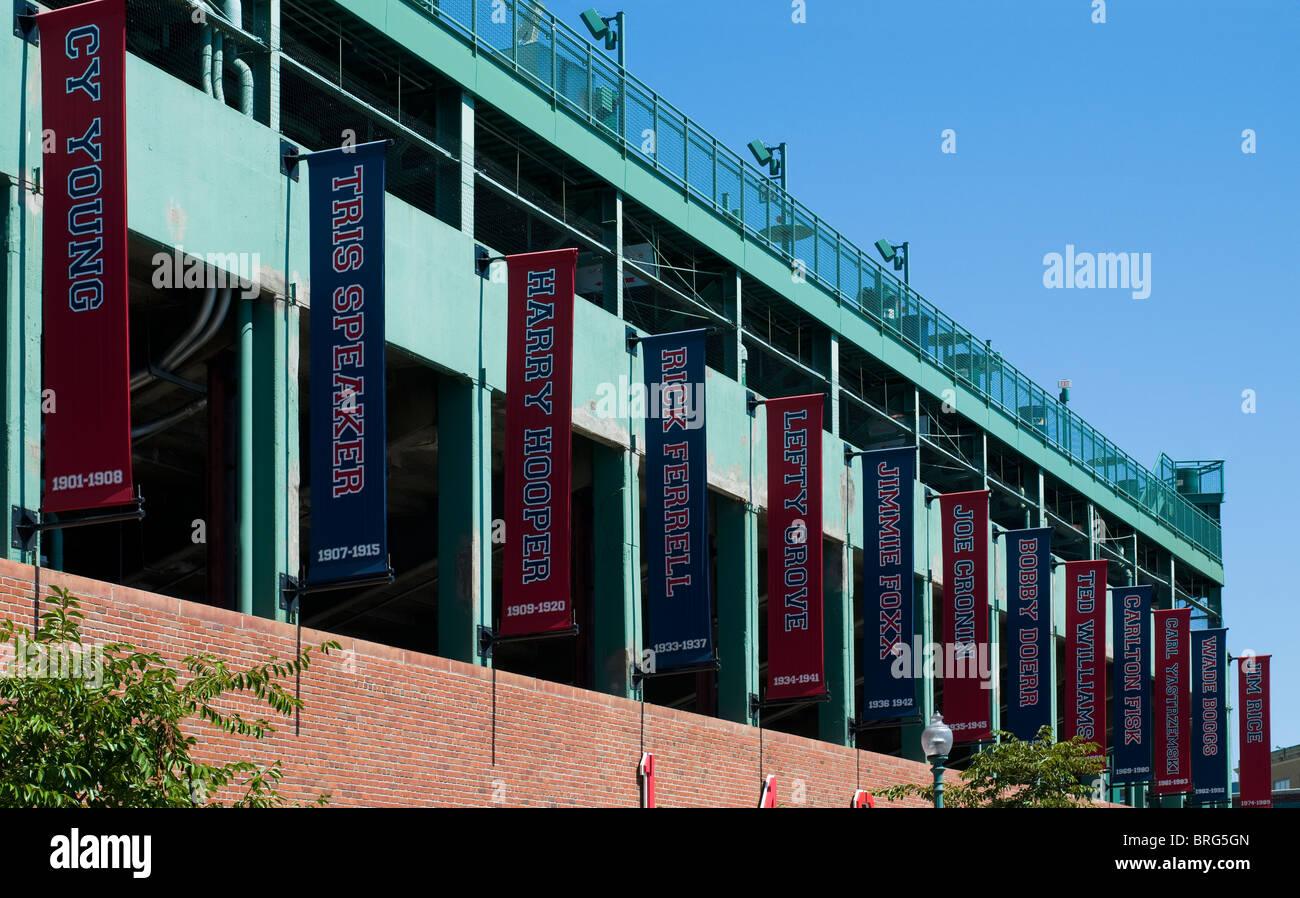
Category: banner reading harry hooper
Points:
column 795, row 663
column 679, row 625
column 1029, row 631
column 888, row 482
column 349, row 488
column 967, row 684
column 539, row 456
column 1256, row 747
column 87, row 436
column 1209, row 714
column 1085, row 652
column 1173, row 714
column 1132, row 624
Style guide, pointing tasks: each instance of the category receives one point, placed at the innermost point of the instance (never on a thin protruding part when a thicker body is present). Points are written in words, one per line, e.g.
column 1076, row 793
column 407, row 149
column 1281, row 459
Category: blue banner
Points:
column 1029, row 631
column 349, row 516
column 679, row 626
column 1132, row 626
column 1210, row 715
column 888, row 534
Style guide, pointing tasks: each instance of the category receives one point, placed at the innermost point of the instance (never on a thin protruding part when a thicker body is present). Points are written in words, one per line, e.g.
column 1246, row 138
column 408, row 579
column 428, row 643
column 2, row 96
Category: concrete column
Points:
column 271, row 449
column 244, row 467
column 611, row 217
column 20, row 287
column 616, row 526
column 835, row 383
column 837, row 588
column 737, row 595
column 467, row 164
column 734, row 349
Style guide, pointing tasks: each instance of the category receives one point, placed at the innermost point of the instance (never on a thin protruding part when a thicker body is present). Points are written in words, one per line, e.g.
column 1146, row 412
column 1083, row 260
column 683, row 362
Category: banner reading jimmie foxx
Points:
column 967, row 683
column 1133, row 738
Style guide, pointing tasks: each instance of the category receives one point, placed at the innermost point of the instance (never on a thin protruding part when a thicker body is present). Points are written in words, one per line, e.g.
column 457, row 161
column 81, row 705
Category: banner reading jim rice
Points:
column 888, row 535
column 1210, row 715
column 86, row 371
column 1131, row 616
column 539, row 456
column 967, row 682
column 1254, row 724
column 679, row 625
column 1029, row 631
column 349, row 443
column 1173, row 755
column 795, row 663
column 1085, row 652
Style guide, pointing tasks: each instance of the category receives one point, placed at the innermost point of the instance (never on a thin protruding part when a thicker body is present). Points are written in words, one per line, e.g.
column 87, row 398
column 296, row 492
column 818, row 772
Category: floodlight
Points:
column 595, row 24
column 762, row 155
column 886, row 249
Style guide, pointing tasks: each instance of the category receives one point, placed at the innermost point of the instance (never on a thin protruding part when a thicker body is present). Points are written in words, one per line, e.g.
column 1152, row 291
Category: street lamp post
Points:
column 936, row 742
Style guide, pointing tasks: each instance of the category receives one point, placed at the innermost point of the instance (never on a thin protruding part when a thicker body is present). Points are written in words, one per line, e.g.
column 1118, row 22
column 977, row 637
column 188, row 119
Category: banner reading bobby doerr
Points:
column 1085, row 652
column 1210, row 715
column 795, row 663
column 967, row 683
column 1132, row 625
column 87, row 351
column 539, row 457
column 888, row 477
column 1173, row 714
column 679, row 627
column 1029, row 631
column 349, row 489
column 1254, row 723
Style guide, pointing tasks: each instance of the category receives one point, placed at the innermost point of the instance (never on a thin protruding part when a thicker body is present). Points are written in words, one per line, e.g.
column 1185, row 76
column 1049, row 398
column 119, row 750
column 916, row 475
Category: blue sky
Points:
column 1115, row 137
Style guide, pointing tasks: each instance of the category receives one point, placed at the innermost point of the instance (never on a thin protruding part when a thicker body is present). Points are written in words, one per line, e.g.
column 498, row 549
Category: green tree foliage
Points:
column 1040, row 773
column 111, row 736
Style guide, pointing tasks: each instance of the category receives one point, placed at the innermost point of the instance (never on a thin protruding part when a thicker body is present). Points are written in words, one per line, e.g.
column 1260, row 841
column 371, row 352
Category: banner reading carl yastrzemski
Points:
column 967, row 678
column 349, row 489
column 1209, row 715
column 1085, row 652
column 1029, row 631
column 679, row 628
column 1173, row 714
column 1131, row 614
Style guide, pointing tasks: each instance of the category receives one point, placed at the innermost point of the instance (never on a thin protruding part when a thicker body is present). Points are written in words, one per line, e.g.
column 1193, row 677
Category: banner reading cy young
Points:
column 1210, row 715
column 680, row 620
column 84, row 333
column 1029, row 631
column 349, row 489
column 795, row 663
column 888, row 535
column 1131, row 610
column 539, row 449
column 1085, row 652
column 967, row 685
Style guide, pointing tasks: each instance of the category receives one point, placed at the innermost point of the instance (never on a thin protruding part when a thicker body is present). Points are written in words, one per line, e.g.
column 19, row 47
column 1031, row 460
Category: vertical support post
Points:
column 244, row 585
column 616, row 525
column 611, row 217
column 834, row 362
column 733, row 351
column 467, row 164
column 737, row 608
column 995, row 646
column 271, row 452
column 833, row 716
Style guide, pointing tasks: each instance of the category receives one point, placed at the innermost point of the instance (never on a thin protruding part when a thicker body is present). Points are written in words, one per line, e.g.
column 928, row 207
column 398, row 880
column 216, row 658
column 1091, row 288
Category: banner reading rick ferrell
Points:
column 1133, row 737
column 967, row 683
column 1085, row 652
column 1029, row 631
column 1173, row 701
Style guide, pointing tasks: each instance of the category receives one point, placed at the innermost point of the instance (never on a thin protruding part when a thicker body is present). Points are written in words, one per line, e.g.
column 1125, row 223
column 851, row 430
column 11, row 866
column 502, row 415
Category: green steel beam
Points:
column 737, row 600
column 833, row 716
column 245, row 472
column 617, row 557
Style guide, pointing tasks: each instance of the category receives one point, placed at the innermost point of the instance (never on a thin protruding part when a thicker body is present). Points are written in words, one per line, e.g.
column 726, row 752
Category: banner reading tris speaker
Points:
column 967, row 686
column 539, row 457
column 84, row 335
column 795, row 663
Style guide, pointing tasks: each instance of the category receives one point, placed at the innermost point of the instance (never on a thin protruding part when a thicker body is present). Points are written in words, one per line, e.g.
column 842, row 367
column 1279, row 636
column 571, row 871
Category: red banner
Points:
column 1085, row 652
column 1173, row 704
column 795, row 663
column 539, row 389
column 1256, row 767
column 87, row 396
column 967, row 680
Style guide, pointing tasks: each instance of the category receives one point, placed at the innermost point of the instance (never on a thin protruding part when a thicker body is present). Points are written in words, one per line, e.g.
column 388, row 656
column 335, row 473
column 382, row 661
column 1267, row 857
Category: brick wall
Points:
column 384, row 726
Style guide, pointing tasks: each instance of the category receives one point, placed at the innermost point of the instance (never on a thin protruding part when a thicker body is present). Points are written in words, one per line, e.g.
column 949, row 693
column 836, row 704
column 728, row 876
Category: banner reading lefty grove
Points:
column 1256, row 749
column 349, row 446
column 679, row 625
column 1085, row 652
column 967, row 687
column 1132, row 624
column 539, row 413
column 795, row 663
column 1173, row 712
column 1029, row 631
column 87, row 433
column 888, row 535
column 1210, row 715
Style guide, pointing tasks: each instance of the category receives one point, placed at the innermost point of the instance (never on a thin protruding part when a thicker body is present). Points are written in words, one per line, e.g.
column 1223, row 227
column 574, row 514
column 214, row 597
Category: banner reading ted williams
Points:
column 888, row 535
column 1085, row 652
column 84, row 335
column 1209, row 715
column 967, row 687
column 1029, row 631
column 539, row 389
column 349, row 444
column 1133, row 739
column 679, row 625
column 795, row 663
column 1173, row 753
column 1256, row 769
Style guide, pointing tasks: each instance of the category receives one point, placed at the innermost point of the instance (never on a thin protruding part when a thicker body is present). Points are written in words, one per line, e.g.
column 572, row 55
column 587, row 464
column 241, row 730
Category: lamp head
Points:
column 595, row 24
column 936, row 739
column 762, row 155
column 886, row 249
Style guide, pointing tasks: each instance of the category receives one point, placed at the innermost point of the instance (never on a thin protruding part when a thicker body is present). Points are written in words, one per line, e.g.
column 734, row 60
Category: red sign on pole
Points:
column 87, row 395
column 1256, row 768
column 795, row 663
column 1173, row 704
column 1085, row 652
column 539, row 389
column 967, row 677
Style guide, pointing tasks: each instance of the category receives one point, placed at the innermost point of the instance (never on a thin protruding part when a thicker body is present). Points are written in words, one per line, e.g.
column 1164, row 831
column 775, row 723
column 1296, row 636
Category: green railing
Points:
column 525, row 39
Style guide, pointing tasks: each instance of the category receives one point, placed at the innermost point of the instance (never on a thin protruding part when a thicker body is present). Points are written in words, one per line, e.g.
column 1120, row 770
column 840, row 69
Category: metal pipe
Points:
column 218, row 66
column 166, row 421
column 207, row 60
column 245, row 85
column 141, row 379
column 244, row 510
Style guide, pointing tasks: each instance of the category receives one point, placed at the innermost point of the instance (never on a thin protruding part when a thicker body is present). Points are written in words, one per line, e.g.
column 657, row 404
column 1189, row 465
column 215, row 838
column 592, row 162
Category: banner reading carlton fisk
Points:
column 1131, row 616
column 888, row 535
column 1209, row 715
column 1173, row 755
column 1085, row 652
column 795, row 663
column 1256, row 749
column 679, row 625
column 967, row 682
column 539, row 456
column 86, row 347
column 349, row 488
column 1029, row 631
